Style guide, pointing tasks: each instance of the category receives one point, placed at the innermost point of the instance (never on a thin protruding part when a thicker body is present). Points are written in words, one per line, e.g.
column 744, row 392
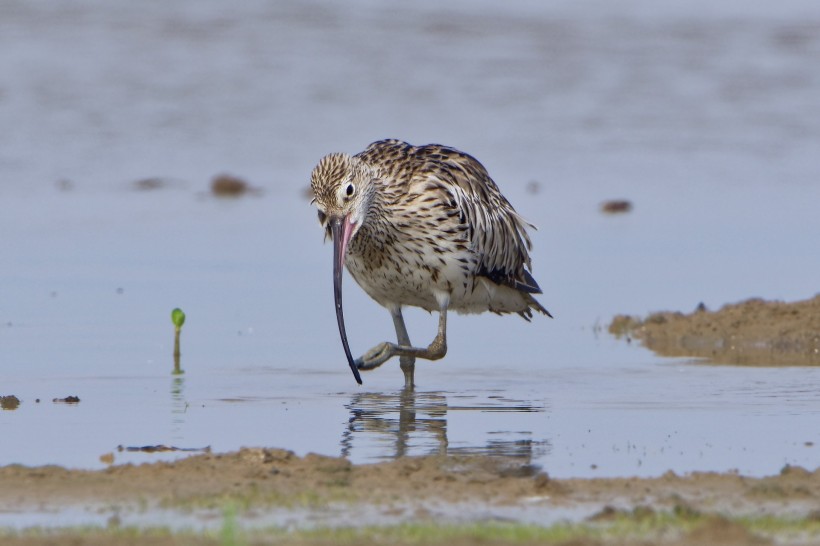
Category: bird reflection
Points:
column 398, row 420
column 409, row 422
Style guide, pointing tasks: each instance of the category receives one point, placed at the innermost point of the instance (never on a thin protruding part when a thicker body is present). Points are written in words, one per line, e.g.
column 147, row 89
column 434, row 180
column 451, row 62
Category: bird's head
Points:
column 343, row 190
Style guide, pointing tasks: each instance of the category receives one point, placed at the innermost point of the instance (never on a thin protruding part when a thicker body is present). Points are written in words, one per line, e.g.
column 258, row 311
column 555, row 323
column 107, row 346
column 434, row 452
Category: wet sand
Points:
column 717, row 508
column 754, row 332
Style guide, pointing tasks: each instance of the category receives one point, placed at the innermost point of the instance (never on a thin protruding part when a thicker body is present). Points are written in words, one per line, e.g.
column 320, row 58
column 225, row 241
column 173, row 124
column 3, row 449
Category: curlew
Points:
column 422, row 226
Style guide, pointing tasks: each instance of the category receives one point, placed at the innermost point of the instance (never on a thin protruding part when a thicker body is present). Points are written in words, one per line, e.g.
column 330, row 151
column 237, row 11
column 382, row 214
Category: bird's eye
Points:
column 322, row 217
column 350, row 189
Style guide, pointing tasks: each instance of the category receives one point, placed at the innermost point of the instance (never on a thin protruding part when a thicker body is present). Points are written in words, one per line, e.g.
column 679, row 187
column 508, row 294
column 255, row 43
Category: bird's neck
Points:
column 377, row 231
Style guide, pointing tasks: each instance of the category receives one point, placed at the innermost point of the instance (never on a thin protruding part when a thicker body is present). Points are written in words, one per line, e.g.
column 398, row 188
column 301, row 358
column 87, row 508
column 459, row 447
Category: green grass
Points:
column 231, row 533
column 640, row 525
column 771, row 525
column 431, row 533
column 255, row 499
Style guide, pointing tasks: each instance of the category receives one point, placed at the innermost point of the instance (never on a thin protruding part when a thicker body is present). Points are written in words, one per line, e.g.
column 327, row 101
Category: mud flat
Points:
column 437, row 499
column 754, row 332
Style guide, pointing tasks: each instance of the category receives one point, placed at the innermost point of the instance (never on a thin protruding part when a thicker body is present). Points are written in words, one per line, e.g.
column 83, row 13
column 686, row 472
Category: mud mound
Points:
column 754, row 332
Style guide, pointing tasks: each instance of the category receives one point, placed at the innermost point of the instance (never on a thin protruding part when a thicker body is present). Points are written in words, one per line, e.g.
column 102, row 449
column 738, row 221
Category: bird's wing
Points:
column 497, row 233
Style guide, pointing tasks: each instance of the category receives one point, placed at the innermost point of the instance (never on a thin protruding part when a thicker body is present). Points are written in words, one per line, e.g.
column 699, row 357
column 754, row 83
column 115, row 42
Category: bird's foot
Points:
column 376, row 356
column 383, row 352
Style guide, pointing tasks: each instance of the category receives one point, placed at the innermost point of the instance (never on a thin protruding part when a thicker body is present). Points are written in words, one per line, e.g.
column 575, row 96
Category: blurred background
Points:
column 116, row 117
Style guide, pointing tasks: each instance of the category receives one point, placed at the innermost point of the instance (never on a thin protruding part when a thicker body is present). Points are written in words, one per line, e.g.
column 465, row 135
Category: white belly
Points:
column 413, row 279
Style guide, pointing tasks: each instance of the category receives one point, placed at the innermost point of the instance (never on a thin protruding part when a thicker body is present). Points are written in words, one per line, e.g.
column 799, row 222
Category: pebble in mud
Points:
column 225, row 185
column 9, row 402
column 67, row 400
column 616, row 206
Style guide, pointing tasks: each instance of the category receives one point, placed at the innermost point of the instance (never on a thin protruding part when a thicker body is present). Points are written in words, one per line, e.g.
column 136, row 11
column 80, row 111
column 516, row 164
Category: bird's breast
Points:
column 409, row 272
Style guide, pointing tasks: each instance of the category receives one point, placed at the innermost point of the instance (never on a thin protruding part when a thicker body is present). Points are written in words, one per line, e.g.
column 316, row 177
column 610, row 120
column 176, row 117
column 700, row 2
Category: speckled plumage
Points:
column 428, row 228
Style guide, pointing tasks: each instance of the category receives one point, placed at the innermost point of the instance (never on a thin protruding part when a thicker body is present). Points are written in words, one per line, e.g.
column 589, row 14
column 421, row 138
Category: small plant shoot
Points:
column 178, row 318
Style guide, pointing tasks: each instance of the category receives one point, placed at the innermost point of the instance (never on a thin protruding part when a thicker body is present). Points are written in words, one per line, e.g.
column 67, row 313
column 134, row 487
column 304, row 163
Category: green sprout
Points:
column 178, row 318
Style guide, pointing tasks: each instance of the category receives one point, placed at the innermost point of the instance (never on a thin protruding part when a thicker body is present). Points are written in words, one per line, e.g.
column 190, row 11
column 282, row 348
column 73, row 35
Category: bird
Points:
column 422, row 226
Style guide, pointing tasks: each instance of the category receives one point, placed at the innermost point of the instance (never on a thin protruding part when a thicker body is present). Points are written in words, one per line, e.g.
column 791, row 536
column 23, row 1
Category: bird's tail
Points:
column 533, row 304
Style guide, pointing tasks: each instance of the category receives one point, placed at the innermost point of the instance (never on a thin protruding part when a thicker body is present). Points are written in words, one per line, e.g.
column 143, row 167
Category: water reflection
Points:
column 399, row 421
column 179, row 407
column 409, row 422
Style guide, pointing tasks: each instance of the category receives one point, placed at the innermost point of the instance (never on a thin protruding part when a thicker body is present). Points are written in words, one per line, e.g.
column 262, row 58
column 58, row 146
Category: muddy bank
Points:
column 419, row 489
column 754, row 332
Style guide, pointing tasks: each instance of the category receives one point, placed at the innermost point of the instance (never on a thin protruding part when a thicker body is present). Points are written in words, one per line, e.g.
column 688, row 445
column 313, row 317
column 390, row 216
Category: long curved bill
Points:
column 341, row 230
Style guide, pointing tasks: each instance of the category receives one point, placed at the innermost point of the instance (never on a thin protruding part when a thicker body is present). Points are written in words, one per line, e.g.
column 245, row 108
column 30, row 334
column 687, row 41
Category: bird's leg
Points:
column 407, row 362
column 381, row 353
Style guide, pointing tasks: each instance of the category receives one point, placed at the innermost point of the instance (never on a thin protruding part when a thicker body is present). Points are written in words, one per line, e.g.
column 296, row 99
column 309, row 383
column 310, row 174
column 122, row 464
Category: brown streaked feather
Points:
column 494, row 229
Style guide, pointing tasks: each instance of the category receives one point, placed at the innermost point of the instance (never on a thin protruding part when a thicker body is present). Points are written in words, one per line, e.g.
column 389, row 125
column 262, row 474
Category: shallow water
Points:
column 703, row 117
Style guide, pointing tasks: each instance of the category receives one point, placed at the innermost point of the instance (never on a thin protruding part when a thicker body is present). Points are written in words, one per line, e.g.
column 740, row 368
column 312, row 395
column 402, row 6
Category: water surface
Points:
column 703, row 117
